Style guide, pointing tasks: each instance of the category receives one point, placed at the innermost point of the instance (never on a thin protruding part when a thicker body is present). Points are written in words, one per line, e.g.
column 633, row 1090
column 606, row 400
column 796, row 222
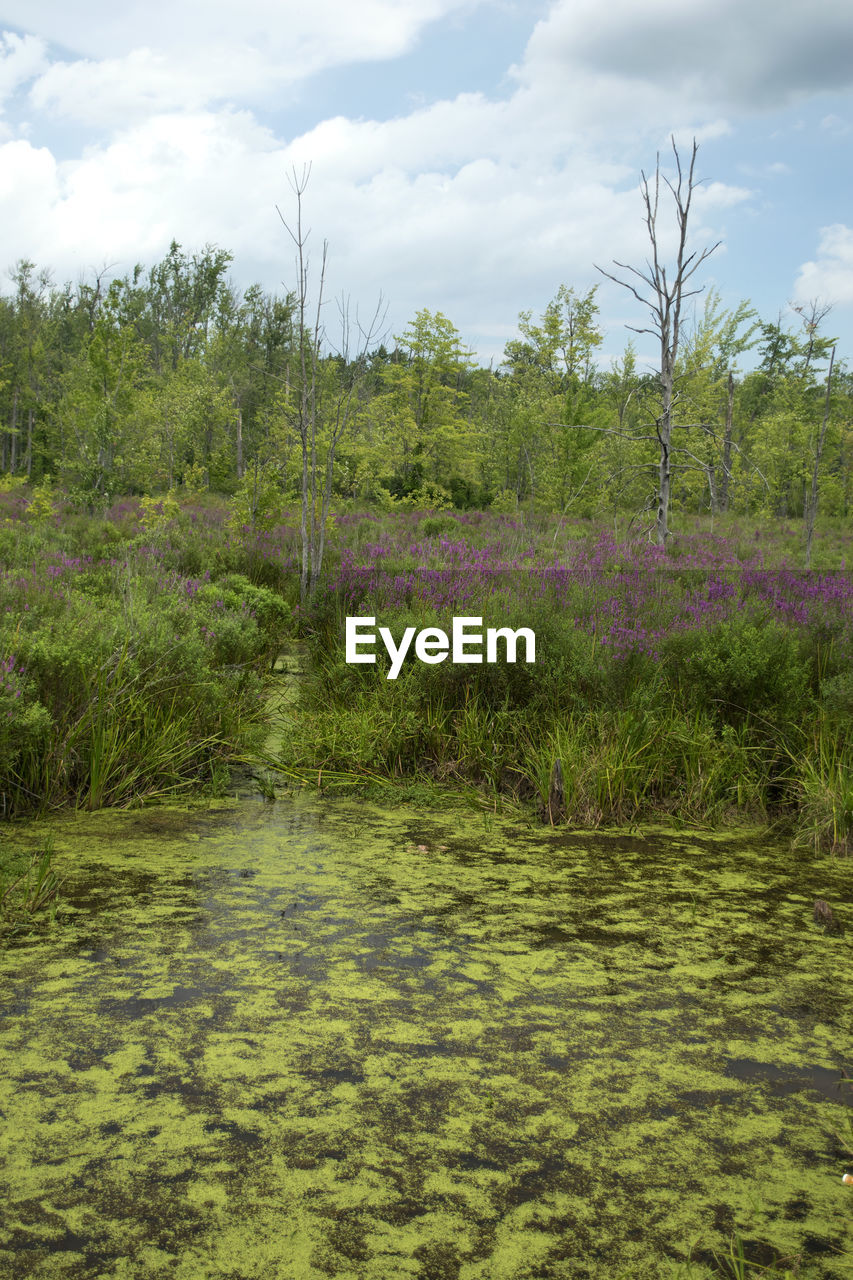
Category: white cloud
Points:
column 836, row 126
column 29, row 193
column 21, row 58
column 327, row 30
column 729, row 53
column 830, row 276
column 682, row 64
column 171, row 54
column 115, row 92
column 768, row 169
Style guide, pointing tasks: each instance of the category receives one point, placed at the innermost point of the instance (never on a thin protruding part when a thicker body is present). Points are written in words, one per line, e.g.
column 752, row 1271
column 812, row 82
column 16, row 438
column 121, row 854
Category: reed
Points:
column 26, row 890
column 824, row 771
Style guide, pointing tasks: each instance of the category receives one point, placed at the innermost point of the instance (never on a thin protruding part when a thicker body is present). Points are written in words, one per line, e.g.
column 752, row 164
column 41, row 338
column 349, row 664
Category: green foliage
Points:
column 124, row 683
column 741, row 668
column 242, row 621
column 258, row 500
column 435, row 526
column 427, row 497
column 154, row 513
column 24, row 722
column 504, row 502
column 195, row 480
column 698, row 721
column 42, row 505
column 169, row 377
column 561, row 346
column 824, row 767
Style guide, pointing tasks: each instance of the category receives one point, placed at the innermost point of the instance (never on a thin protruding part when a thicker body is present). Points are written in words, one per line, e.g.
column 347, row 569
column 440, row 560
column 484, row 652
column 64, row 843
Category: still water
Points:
column 318, row 1038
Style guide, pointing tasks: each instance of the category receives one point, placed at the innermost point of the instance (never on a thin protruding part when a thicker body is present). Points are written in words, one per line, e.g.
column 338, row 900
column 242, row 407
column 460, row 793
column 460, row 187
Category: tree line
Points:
column 170, row 376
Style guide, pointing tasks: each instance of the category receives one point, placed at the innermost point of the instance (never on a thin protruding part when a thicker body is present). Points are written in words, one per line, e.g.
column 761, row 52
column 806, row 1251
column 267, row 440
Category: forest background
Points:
column 168, row 376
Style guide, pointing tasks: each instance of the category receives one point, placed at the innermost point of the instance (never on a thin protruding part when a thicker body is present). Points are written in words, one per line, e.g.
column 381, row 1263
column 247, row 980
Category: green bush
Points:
column 836, row 695
column 741, row 668
column 435, row 526
column 121, row 680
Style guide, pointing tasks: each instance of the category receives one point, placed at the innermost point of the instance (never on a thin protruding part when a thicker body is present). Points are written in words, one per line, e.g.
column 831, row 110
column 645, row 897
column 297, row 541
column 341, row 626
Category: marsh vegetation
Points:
column 710, row 683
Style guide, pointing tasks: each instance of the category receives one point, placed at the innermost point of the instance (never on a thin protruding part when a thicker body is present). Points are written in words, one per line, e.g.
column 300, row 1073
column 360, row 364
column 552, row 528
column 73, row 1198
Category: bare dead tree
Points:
column 664, row 294
column 316, row 406
column 811, row 505
column 727, row 443
column 308, row 333
column 813, row 315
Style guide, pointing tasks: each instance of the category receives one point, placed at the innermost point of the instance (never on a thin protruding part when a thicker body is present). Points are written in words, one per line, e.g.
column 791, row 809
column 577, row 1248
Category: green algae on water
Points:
column 323, row 1039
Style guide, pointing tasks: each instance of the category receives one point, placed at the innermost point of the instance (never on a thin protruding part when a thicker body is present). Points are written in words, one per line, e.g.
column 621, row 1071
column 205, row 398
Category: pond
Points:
column 316, row 1038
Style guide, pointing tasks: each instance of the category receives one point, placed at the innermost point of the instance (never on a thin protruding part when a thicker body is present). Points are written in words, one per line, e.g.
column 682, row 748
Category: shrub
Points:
column 121, row 680
column 739, row 668
column 434, row 526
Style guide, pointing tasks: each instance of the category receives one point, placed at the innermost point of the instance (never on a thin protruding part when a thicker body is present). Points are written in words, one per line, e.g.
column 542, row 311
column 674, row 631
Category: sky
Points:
column 467, row 156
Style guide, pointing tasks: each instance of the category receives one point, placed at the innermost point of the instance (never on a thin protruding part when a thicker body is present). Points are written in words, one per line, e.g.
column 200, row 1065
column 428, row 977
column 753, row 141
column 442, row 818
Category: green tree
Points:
column 425, row 406
column 705, row 398
column 783, row 402
column 250, row 346
column 22, row 335
column 176, row 307
column 102, row 430
column 554, row 379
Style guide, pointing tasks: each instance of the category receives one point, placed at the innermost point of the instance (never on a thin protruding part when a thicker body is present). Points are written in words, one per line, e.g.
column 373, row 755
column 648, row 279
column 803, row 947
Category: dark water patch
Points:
column 783, row 1082
column 142, row 1006
column 243, row 1138
column 797, row 1209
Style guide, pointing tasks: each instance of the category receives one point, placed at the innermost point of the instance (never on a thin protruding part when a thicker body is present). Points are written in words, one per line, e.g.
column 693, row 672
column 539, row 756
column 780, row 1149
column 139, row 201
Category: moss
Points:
column 322, row 1039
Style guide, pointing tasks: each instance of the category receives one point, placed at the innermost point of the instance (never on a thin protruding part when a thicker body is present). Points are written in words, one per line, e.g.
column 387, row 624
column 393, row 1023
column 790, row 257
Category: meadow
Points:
column 711, row 684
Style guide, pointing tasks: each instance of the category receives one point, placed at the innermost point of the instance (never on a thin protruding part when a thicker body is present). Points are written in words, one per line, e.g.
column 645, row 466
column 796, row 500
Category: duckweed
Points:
column 321, row 1039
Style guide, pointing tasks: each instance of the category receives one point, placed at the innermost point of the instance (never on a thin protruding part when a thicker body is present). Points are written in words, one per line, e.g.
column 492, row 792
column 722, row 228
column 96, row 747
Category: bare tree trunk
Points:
column 239, row 443
column 30, row 415
column 253, row 505
column 555, row 810
column 727, row 445
column 664, row 298
column 13, row 432
column 664, row 433
column 310, row 336
column 811, row 505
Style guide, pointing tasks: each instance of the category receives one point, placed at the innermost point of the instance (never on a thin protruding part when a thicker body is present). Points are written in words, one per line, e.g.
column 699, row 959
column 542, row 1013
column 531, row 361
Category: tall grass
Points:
column 824, row 771
column 27, row 884
column 122, row 679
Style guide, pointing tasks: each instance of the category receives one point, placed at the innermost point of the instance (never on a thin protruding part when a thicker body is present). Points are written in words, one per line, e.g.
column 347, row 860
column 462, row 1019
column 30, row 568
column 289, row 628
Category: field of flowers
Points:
column 712, row 683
